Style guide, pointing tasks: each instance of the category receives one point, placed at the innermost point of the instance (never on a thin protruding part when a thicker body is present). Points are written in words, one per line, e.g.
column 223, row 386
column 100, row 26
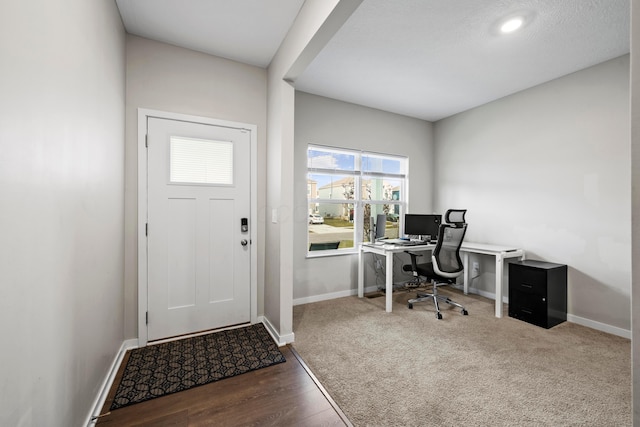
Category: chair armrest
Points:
column 414, row 256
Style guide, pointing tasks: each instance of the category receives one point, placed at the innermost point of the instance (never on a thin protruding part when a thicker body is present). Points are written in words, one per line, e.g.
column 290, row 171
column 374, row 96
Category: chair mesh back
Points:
column 447, row 252
column 446, row 255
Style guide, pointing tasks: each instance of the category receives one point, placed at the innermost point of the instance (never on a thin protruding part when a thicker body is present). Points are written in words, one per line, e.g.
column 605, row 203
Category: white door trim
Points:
column 143, row 114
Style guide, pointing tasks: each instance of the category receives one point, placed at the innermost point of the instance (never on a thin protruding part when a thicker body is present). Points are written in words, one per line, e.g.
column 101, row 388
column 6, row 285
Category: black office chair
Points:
column 446, row 264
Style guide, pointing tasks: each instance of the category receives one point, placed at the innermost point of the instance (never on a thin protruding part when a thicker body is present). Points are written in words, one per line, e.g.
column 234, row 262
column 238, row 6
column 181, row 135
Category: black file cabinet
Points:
column 538, row 292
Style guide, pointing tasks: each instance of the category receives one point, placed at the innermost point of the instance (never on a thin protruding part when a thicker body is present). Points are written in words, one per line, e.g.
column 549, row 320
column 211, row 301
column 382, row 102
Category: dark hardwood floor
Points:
column 286, row 394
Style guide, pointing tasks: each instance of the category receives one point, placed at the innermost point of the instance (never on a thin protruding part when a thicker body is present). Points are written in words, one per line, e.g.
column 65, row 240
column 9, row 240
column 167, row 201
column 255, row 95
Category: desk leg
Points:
column 465, row 274
column 499, row 272
column 360, row 274
column 389, row 281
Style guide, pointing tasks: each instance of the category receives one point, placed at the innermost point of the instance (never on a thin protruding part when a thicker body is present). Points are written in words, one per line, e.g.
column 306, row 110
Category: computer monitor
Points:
column 422, row 225
column 381, row 222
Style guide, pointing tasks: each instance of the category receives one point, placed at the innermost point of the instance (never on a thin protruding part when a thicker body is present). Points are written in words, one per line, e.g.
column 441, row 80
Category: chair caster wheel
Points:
column 410, row 305
column 438, row 316
column 465, row 312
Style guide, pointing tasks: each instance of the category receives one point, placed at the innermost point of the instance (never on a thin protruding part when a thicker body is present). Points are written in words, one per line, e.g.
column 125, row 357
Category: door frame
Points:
column 143, row 115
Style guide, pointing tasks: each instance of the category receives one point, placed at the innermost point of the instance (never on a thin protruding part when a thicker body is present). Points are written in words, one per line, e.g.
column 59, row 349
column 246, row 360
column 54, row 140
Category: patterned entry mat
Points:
column 161, row 369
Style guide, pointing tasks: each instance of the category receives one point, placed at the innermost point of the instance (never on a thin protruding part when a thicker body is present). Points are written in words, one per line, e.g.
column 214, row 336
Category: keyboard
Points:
column 402, row 242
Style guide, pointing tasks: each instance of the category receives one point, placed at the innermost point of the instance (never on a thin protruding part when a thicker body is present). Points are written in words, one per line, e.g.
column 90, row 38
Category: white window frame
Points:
column 359, row 200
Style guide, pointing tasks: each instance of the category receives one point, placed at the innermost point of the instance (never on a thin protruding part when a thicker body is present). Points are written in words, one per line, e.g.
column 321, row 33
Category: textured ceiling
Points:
column 422, row 58
column 434, row 58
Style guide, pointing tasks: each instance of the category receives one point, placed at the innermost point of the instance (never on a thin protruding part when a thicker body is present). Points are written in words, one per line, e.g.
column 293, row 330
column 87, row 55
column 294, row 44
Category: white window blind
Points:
column 200, row 161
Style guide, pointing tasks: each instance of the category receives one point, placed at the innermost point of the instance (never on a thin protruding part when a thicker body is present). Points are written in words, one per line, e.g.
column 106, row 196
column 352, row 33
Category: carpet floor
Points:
column 406, row 368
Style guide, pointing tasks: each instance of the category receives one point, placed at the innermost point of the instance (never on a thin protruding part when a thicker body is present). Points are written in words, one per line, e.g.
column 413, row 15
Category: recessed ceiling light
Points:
column 511, row 25
column 516, row 20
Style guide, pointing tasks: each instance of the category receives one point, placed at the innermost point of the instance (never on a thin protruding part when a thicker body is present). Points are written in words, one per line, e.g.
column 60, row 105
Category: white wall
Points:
column 548, row 169
column 315, row 24
column 169, row 78
column 329, row 122
column 62, row 82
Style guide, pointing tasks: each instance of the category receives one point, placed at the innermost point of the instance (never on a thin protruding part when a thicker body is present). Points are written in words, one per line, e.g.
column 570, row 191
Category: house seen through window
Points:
column 345, row 189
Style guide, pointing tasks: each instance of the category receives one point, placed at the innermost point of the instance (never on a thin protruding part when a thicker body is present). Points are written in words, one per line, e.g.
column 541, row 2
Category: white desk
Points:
column 499, row 252
column 387, row 251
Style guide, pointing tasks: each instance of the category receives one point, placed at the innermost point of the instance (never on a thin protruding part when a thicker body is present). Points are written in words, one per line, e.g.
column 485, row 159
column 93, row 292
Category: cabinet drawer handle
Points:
column 526, row 311
column 526, row 285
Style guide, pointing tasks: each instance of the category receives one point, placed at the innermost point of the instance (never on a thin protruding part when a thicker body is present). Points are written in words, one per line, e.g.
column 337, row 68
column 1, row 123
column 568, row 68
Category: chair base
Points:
column 420, row 297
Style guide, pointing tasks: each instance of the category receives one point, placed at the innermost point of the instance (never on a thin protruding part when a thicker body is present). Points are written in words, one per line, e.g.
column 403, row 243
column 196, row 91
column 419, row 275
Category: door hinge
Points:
column 146, row 140
column 146, row 317
column 146, row 228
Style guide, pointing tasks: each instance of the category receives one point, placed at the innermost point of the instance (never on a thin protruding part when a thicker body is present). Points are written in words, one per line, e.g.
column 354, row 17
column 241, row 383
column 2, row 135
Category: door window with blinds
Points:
column 345, row 190
column 200, row 161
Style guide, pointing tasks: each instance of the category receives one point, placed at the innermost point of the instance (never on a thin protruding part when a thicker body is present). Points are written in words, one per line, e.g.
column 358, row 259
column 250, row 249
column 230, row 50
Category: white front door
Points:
column 198, row 247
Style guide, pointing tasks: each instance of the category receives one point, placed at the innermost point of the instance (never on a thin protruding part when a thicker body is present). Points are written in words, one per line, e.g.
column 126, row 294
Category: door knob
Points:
column 243, row 242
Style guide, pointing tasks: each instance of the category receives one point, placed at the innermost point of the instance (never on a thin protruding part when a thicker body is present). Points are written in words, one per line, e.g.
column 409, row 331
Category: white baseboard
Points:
column 331, row 295
column 279, row 339
column 108, row 381
column 603, row 327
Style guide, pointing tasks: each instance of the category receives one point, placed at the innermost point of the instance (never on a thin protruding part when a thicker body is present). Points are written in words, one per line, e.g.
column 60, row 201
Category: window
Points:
column 345, row 189
column 200, row 161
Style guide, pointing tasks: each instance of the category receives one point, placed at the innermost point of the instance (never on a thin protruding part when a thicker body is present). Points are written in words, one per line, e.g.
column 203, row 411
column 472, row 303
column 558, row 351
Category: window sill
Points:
column 339, row 252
